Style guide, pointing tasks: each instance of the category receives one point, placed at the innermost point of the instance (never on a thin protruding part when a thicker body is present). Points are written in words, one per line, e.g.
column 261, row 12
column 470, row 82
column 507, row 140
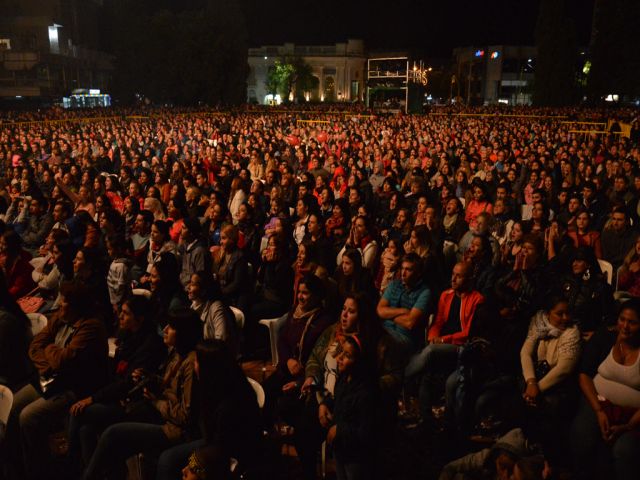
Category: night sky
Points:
column 426, row 27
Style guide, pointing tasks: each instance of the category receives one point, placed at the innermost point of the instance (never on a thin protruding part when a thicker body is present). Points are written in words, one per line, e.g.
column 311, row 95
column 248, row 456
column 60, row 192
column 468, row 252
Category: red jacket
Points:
column 18, row 275
column 470, row 302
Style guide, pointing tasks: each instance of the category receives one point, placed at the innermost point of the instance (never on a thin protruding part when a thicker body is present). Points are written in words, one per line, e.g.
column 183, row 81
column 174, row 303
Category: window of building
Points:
column 355, row 90
column 329, row 89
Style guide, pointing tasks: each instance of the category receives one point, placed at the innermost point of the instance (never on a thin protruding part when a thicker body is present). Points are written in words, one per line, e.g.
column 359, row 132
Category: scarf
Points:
column 542, row 328
column 300, row 315
column 449, row 221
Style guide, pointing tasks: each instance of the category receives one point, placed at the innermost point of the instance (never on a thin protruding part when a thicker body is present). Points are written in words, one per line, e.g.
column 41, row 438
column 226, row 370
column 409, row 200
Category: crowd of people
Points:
column 457, row 277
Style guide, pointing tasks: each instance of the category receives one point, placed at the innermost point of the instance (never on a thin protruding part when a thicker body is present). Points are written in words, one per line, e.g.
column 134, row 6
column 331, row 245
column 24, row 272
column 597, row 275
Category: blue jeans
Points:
column 401, row 336
column 36, row 416
column 174, row 459
column 592, row 457
column 431, row 361
column 85, row 428
column 352, row 470
column 121, row 441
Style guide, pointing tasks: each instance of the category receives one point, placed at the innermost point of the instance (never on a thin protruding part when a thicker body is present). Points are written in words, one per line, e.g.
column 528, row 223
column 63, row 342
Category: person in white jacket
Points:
column 361, row 238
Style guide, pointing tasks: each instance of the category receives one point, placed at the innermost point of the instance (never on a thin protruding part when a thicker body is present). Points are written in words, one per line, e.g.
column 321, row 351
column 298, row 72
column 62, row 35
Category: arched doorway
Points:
column 329, row 89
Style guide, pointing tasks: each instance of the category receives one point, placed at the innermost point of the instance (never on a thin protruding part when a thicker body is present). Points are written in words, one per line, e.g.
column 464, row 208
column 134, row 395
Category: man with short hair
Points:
column 405, row 305
column 456, row 309
column 32, row 222
column 618, row 237
column 140, row 242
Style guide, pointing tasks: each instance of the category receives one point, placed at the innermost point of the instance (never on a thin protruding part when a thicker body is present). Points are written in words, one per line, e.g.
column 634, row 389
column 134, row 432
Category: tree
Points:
column 306, row 82
column 555, row 80
column 186, row 53
column 288, row 75
column 614, row 52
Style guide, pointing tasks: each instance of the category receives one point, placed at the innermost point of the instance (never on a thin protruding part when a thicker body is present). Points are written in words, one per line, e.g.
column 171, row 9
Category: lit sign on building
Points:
column 479, row 53
column 495, row 55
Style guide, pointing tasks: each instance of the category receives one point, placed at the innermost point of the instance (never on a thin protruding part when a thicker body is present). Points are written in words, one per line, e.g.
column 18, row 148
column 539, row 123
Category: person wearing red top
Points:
column 478, row 205
column 14, row 262
column 456, row 309
column 583, row 236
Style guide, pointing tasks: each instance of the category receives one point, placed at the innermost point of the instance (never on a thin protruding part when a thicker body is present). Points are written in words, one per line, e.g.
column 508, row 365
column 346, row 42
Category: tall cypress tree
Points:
column 614, row 50
column 555, row 81
column 186, row 53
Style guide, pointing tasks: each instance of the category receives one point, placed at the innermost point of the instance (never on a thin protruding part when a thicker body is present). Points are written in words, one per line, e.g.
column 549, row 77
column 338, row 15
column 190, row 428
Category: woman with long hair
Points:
column 480, row 203
column 584, row 235
column 351, row 276
column 164, row 416
column 138, row 345
column 302, row 327
column 237, row 196
column 229, row 417
column 362, row 238
column 167, row 293
column 218, row 320
column 389, row 265
column 357, row 317
column 275, row 275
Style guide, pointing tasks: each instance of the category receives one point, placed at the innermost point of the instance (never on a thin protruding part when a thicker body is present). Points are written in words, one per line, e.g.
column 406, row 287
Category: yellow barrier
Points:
column 597, row 132
column 100, row 119
column 311, row 112
column 508, row 115
column 312, row 121
column 583, row 123
column 60, row 120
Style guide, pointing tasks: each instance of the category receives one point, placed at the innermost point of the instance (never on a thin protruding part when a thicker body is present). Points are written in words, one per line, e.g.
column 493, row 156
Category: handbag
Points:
column 30, row 303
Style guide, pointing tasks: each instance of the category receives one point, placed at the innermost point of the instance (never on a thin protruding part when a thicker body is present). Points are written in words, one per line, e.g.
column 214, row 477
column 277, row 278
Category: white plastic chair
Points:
column 6, row 402
column 239, row 317
column 607, row 269
column 260, row 396
column 112, row 346
column 142, row 292
column 274, row 325
column 38, row 322
column 527, row 212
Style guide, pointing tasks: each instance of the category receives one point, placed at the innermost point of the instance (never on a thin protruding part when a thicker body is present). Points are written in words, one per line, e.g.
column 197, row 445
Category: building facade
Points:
column 340, row 70
column 49, row 48
column 494, row 74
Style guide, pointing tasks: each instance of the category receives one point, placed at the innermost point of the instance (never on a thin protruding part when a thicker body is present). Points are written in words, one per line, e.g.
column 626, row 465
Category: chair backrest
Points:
column 239, row 317
column 142, row 292
column 111, row 341
column 6, row 402
column 259, row 391
column 38, row 322
column 607, row 269
column 526, row 212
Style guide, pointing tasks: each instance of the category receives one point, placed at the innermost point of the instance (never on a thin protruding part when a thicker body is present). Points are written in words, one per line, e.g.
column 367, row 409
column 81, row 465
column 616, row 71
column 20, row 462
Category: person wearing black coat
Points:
column 228, row 416
column 231, row 270
column 138, row 346
column 587, row 292
column 350, row 418
column 15, row 336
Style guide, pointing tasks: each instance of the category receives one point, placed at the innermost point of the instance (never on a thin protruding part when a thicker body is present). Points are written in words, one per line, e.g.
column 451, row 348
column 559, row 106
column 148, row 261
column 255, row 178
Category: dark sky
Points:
column 426, row 27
